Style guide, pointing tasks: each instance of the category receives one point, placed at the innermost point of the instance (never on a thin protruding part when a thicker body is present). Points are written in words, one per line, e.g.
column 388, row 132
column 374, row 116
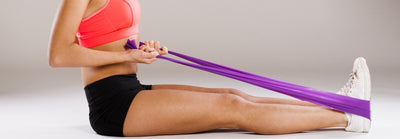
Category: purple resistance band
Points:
column 323, row 98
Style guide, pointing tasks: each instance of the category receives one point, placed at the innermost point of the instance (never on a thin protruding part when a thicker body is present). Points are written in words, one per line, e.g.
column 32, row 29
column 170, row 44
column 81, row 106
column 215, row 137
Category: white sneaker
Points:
column 358, row 86
column 345, row 90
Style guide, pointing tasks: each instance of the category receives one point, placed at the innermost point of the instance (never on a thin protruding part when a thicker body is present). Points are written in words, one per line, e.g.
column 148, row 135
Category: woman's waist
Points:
column 93, row 74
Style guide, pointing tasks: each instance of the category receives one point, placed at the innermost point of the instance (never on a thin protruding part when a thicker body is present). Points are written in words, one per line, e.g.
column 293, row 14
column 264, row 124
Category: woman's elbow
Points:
column 55, row 61
column 58, row 55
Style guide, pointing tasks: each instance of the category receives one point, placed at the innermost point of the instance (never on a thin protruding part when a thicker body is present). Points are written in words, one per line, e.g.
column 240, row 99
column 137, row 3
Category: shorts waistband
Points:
column 105, row 80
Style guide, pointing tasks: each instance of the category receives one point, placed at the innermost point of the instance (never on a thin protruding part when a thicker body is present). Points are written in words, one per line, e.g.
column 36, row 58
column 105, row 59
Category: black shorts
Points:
column 109, row 100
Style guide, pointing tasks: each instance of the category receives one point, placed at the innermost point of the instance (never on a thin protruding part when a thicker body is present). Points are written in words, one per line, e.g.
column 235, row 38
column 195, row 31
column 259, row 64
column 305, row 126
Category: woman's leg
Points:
column 236, row 92
column 166, row 111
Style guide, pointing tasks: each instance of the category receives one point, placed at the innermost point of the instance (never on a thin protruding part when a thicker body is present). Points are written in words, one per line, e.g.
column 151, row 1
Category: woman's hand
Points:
column 153, row 46
column 140, row 56
column 147, row 53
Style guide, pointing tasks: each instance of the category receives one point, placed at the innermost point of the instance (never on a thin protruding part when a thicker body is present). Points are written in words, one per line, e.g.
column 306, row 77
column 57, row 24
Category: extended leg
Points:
column 236, row 92
column 163, row 111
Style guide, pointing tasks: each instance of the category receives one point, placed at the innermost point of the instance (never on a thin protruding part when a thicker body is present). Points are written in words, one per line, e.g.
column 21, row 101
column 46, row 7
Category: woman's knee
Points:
column 231, row 91
column 231, row 106
column 238, row 93
column 232, row 99
column 234, row 105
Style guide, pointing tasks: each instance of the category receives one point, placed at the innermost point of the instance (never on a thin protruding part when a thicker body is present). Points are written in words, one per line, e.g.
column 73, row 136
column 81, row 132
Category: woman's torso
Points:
column 92, row 74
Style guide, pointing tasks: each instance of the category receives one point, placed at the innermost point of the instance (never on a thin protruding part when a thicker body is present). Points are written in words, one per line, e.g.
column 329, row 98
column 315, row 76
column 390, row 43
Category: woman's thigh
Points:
column 248, row 97
column 167, row 111
column 192, row 88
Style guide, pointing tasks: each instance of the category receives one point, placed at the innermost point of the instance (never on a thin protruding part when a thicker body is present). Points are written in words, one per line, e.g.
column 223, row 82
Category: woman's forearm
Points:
column 78, row 56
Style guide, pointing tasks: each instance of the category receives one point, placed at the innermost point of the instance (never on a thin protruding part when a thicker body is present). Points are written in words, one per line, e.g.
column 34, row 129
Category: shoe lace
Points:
column 350, row 83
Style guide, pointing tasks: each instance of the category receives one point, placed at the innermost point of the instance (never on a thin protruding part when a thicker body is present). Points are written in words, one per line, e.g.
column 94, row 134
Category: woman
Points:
column 91, row 34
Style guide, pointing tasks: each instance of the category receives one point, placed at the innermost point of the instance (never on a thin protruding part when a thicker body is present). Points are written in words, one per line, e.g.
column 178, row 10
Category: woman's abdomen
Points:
column 92, row 74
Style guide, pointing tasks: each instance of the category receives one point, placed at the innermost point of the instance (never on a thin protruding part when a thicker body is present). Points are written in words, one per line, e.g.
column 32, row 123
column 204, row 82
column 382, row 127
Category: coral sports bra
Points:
column 116, row 20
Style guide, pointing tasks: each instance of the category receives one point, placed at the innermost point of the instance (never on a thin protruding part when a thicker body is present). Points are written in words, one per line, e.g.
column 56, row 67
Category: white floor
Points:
column 52, row 104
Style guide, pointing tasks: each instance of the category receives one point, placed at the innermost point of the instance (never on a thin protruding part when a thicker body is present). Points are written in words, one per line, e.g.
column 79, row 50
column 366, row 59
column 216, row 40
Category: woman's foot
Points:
column 358, row 86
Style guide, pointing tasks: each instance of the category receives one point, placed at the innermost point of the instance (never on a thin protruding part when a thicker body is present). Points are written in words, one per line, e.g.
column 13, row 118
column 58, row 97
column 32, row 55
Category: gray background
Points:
column 255, row 35
column 308, row 42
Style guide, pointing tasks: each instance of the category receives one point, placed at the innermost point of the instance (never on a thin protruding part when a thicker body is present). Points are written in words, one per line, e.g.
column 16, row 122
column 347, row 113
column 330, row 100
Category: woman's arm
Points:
column 64, row 50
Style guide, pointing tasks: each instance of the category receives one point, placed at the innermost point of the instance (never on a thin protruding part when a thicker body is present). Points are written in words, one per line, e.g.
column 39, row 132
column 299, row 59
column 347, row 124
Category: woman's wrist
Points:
column 127, row 56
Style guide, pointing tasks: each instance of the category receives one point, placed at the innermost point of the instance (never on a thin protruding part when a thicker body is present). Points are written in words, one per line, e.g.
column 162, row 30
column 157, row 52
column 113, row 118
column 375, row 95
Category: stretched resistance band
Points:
column 323, row 98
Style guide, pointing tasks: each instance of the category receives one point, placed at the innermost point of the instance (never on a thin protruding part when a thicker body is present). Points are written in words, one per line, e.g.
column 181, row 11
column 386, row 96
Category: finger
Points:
column 157, row 46
column 149, row 49
column 149, row 55
column 155, row 53
column 146, row 49
column 152, row 60
column 149, row 61
column 164, row 50
column 142, row 47
column 151, row 44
